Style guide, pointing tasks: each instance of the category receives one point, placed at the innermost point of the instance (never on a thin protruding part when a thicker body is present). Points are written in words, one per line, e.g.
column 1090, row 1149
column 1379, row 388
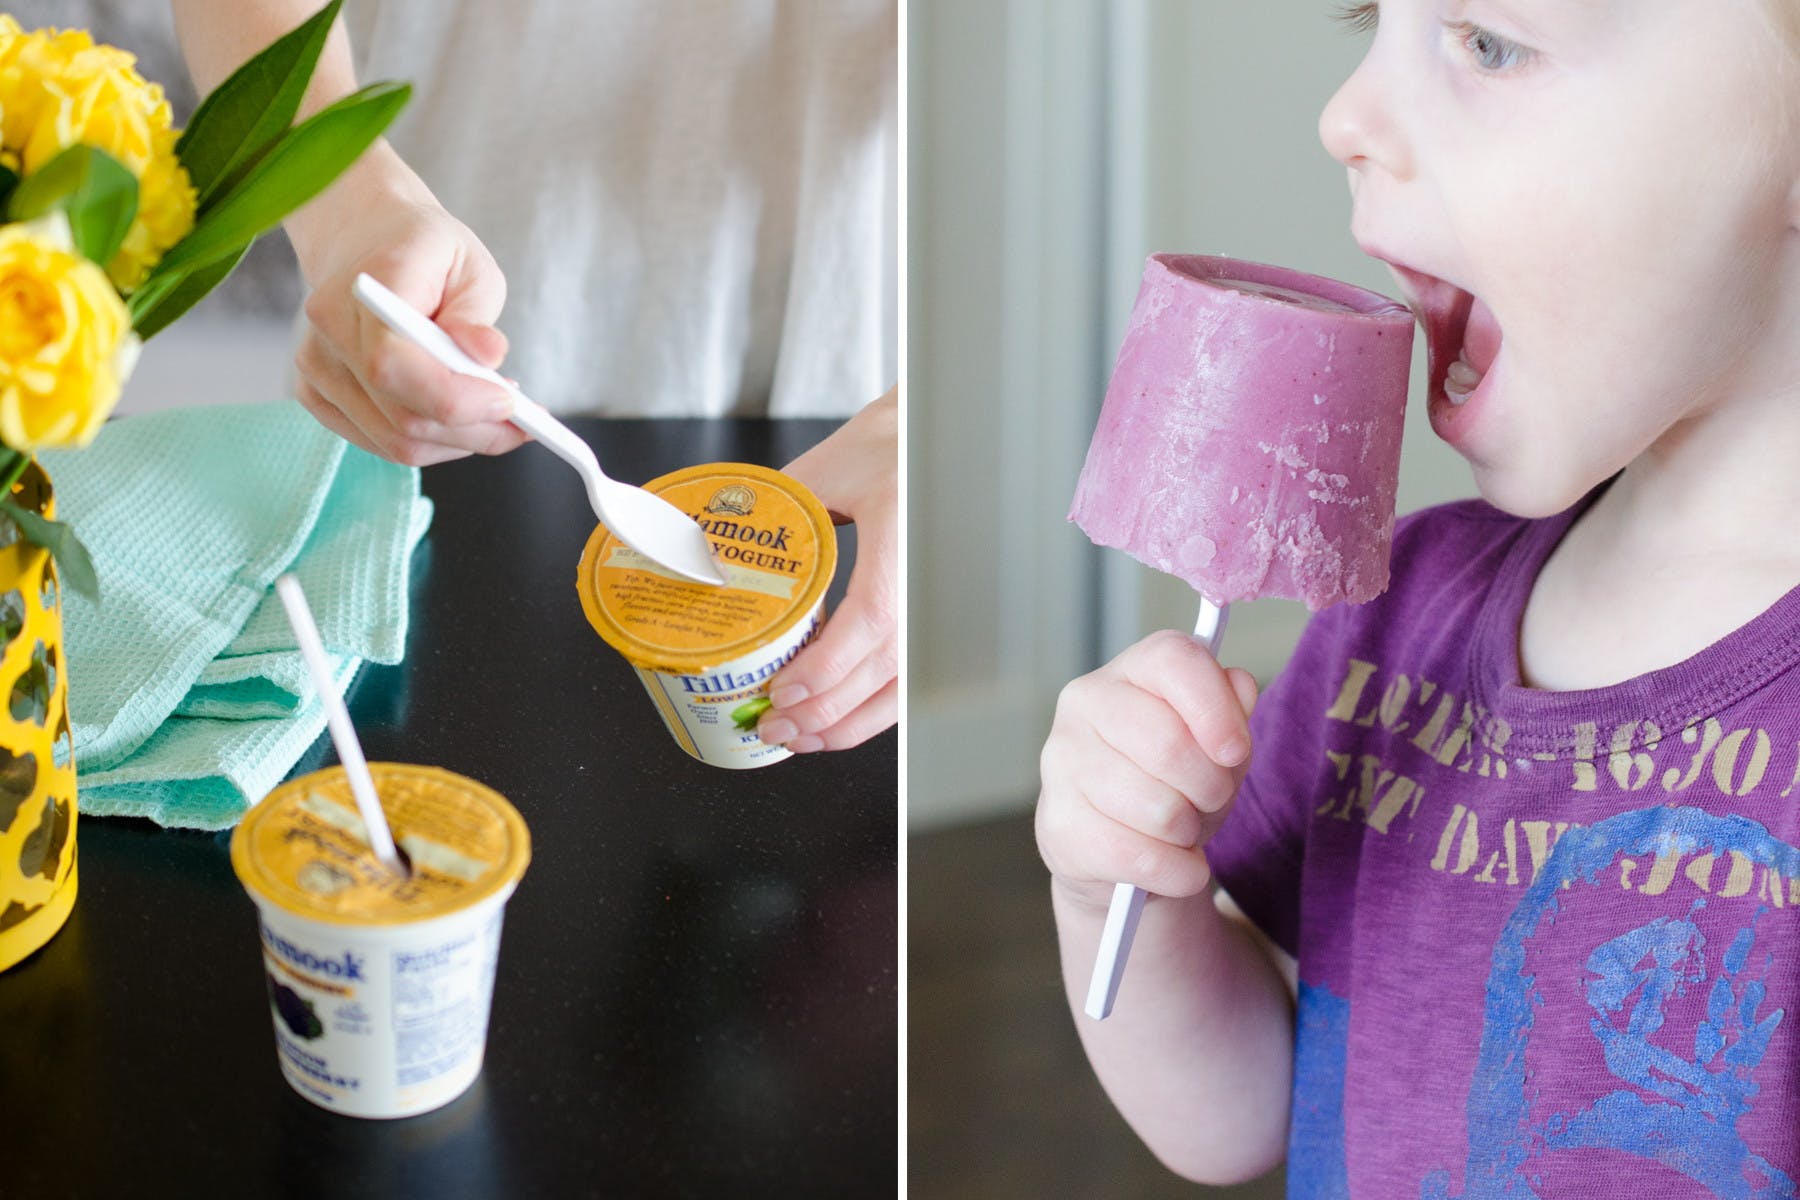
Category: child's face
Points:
column 1593, row 204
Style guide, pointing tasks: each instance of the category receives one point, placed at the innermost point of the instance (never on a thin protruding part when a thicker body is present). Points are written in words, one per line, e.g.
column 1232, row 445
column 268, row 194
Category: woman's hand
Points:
column 360, row 379
column 844, row 688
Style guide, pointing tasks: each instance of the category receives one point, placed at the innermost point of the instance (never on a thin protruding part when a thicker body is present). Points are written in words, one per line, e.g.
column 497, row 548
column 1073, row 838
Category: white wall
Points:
column 1052, row 145
column 1006, row 189
column 212, row 359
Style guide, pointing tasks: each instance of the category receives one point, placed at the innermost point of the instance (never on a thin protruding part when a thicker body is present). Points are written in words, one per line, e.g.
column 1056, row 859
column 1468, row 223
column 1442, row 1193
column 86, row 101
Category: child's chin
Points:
column 1527, row 490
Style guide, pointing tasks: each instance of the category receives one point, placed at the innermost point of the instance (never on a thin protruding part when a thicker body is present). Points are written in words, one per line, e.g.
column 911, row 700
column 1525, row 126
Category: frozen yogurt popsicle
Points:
column 1249, row 442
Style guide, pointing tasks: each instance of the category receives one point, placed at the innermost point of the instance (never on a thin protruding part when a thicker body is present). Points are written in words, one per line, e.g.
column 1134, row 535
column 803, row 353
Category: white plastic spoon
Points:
column 1128, row 900
column 645, row 522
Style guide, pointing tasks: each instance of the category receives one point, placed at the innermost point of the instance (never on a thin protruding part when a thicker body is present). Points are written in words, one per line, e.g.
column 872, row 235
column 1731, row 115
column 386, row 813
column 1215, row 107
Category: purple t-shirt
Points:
column 1549, row 942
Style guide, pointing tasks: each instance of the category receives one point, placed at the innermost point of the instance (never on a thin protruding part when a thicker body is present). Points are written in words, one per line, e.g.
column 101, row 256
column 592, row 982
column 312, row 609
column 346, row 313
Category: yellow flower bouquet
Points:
column 113, row 223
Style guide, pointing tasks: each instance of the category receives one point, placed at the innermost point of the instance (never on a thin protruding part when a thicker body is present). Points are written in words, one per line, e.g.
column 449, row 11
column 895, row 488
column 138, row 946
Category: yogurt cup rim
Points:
column 651, row 657
column 257, row 881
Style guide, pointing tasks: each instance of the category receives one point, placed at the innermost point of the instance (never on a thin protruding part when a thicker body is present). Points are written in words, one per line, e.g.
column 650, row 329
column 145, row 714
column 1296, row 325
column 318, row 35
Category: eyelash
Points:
column 1358, row 18
column 1481, row 44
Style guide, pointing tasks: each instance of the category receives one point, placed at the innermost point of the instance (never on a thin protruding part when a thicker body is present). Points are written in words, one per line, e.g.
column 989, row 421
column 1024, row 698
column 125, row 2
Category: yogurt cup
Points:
column 380, row 987
column 706, row 654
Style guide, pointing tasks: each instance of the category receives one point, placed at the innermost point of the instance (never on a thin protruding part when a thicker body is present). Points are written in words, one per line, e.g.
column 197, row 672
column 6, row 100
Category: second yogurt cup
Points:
column 380, row 986
column 706, row 654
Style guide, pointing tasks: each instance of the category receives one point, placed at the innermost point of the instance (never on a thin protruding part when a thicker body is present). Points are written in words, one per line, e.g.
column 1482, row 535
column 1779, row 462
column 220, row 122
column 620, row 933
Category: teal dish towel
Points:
column 188, row 698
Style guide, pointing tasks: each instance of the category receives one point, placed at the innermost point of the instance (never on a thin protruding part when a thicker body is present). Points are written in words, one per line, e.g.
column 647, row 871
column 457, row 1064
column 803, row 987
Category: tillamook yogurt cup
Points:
column 380, row 986
column 706, row 654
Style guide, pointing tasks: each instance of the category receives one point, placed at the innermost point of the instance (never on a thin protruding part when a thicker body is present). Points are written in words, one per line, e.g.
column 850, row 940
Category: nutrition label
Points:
column 440, row 1004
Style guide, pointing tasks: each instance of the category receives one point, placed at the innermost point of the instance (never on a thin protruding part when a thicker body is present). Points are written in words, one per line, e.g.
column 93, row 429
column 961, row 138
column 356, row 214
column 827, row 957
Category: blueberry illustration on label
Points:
column 296, row 1013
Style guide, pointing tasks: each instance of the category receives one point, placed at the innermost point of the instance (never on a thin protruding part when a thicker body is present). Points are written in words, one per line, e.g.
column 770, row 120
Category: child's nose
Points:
column 1358, row 126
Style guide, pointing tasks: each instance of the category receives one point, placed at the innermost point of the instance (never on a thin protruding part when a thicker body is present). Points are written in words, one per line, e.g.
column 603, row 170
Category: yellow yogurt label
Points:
column 774, row 542
column 305, row 849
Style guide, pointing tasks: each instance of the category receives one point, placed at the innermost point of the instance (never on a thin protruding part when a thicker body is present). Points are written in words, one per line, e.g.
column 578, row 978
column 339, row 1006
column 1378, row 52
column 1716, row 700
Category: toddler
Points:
column 1507, row 861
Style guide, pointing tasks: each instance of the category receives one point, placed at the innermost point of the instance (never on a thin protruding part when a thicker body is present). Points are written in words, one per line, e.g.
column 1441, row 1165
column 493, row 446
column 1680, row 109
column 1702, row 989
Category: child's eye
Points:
column 1490, row 51
column 1359, row 18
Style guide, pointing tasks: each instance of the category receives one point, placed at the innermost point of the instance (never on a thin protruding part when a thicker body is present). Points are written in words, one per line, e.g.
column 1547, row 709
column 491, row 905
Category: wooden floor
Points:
column 1001, row 1103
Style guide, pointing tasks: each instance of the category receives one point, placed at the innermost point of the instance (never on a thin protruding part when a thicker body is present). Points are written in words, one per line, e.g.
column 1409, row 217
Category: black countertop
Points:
column 697, row 990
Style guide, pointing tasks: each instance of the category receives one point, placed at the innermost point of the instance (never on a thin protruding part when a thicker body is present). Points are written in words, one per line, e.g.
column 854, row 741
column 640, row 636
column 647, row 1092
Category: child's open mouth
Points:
column 1463, row 337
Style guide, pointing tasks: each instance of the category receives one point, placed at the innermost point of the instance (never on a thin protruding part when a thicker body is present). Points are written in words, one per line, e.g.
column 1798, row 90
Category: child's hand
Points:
column 1142, row 762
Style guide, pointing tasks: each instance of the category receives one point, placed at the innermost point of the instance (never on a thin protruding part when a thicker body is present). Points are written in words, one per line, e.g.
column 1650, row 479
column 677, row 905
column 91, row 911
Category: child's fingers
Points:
column 1082, row 845
column 1143, row 729
column 1244, row 684
column 1142, row 762
column 1120, row 788
column 1180, row 669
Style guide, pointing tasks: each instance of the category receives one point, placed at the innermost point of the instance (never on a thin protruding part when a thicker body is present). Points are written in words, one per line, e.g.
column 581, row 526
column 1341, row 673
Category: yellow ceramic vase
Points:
column 37, row 797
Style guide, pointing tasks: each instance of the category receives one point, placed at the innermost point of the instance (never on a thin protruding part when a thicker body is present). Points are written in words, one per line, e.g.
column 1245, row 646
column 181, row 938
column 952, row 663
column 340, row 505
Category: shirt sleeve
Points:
column 1257, row 853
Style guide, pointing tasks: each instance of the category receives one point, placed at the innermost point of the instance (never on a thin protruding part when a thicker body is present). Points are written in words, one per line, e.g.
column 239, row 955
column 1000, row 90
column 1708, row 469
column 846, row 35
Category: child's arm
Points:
column 1140, row 768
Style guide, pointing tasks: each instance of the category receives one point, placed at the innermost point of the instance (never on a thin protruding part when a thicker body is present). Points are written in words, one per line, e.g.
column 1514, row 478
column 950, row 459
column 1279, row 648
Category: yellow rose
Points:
column 66, row 344
column 60, row 89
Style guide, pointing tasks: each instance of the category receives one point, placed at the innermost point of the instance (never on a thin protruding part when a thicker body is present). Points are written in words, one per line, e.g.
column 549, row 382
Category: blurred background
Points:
column 1052, row 145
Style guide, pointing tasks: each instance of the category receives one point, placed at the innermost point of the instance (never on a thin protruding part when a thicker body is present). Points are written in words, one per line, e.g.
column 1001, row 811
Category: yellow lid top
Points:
column 773, row 540
column 305, row 849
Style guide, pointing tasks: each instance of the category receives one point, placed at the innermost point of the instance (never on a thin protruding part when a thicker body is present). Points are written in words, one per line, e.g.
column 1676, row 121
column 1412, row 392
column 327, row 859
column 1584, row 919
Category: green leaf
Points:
column 176, row 294
column 298, row 167
column 153, row 291
column 9, row 179
column 97, row 192
column 244, row 116
column 66, row 550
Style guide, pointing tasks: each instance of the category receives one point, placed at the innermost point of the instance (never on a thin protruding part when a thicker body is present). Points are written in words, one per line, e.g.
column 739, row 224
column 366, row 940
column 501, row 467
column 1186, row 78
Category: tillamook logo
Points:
column 739, row 541
column 735, row 499
column 721, row 682
column 347, row 968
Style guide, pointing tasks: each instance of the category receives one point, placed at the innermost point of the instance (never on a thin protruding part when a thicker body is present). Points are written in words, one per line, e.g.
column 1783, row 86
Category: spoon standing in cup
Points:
column 337, row 718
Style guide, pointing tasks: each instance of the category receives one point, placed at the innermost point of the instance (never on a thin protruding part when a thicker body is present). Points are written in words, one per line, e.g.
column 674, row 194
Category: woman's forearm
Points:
column 218, row 36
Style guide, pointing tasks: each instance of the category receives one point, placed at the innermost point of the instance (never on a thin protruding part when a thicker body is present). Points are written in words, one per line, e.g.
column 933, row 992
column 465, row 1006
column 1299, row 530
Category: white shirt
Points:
column 693, row 201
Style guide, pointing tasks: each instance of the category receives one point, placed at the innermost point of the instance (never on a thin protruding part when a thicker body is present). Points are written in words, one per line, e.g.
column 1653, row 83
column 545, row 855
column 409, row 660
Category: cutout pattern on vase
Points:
column 37, row 770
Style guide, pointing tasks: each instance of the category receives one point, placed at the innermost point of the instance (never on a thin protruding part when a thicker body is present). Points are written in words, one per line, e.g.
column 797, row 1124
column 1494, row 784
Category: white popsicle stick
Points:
column 337, row 718
column 1128, row 901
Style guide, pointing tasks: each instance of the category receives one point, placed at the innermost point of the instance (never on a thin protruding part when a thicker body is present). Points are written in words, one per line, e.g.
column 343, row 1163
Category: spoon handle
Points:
column 555, row 437
column 420, row 330
column 425, row 333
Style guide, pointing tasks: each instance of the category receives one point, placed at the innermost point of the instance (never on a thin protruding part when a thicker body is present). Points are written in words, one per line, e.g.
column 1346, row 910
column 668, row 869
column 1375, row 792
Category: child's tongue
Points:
column 1481, row 337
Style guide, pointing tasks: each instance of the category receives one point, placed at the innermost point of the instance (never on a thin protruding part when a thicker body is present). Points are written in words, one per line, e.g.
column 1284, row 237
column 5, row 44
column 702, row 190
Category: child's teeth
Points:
column 1460, row 380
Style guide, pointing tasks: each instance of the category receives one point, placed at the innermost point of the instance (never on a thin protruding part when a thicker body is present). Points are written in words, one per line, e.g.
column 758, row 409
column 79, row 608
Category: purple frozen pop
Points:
column 1250, row 445
column 1250, row 439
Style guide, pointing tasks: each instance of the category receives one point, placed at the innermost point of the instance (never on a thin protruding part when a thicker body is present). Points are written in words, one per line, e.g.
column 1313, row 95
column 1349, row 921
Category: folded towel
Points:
column 188, row 699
